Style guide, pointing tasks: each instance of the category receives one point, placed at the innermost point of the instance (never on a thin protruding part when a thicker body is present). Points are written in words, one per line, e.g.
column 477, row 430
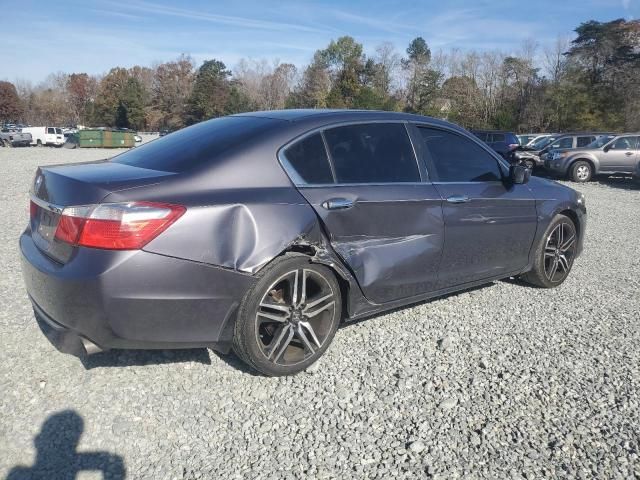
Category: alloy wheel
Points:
column 583, row 172
column 559, row 252
column 295, row 317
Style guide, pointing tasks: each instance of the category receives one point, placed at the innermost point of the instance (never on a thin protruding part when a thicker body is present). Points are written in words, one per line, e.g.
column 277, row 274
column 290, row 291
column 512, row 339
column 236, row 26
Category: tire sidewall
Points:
column 539, row 262
column 245, row 344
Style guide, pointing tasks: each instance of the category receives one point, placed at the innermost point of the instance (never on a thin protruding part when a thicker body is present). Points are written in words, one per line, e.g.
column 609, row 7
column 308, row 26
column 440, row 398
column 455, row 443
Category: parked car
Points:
column 41, row 136
column 164, row 132
column 504, row 143
column 137, row 138
column 606, row 155
column 636, row 173
column 12, row 137
column 526, row 138
column 273, row 227
column 535, row 155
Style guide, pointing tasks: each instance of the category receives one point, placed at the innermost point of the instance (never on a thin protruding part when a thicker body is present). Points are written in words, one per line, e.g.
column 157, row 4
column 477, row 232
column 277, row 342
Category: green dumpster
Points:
column 106, row 139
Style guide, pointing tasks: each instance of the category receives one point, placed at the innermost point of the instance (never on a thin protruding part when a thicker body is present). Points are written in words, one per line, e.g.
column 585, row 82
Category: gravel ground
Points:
column 504, row 381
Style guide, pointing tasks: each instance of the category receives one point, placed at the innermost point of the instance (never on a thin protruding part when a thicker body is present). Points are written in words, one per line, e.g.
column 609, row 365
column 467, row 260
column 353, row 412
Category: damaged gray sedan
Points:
column 262, row 232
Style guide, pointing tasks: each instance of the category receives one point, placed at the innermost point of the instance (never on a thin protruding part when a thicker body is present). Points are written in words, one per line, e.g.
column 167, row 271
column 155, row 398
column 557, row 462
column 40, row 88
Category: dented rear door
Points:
column 383, row 220
column 391, row 236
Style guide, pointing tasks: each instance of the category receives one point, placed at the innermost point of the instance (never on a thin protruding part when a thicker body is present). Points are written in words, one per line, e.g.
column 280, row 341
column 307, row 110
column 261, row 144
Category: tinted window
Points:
column 624, row 143
column 372, row 153
column 458, row 159
column 51, row 130
column 196, row 145
column 566, row 142
column 308, row 158
column 497, row 137
column 482, row 136
column 511, row 138
column 584, row 141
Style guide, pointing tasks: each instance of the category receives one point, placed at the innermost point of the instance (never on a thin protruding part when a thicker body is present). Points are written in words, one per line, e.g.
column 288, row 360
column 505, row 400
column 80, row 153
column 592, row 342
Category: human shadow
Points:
column 57, row 456
column 129, row 358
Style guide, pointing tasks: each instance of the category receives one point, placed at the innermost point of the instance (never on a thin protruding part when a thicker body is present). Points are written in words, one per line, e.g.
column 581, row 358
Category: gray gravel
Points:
column 504, row 381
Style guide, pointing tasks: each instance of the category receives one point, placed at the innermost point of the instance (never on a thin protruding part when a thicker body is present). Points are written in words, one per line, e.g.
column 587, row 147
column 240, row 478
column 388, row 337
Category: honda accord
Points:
column 262, row 232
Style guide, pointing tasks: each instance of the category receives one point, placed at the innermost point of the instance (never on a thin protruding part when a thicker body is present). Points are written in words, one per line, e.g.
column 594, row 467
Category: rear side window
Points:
column 497, row 137
column 566, row 142
column 308, row 160
column 458, row 159
column 372, row 153
column 584, row 141
column 197, row 145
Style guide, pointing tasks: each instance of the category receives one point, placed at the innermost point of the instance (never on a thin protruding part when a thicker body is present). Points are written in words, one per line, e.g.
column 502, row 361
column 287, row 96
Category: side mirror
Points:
column 606, row 148
column 519, row 174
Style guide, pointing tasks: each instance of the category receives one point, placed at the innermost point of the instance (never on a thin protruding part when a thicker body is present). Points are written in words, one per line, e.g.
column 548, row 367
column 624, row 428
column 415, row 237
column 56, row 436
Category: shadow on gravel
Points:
column 625, row 182
column 57, row 455
column 137, row 358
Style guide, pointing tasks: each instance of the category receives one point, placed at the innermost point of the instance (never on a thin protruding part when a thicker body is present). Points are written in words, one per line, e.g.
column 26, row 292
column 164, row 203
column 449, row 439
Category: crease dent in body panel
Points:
column 241, row 234
column 365, row 254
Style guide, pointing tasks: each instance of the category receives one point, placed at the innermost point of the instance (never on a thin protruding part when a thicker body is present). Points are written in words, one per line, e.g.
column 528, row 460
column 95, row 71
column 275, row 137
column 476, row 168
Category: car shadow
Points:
column 138, row 358
column 57, row 456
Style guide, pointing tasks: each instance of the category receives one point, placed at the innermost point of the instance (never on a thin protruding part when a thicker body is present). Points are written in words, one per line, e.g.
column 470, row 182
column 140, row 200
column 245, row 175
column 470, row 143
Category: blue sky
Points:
column 92, row 36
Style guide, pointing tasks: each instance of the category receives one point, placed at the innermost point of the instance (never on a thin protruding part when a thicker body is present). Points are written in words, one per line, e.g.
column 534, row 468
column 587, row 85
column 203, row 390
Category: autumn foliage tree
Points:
column 10, row 105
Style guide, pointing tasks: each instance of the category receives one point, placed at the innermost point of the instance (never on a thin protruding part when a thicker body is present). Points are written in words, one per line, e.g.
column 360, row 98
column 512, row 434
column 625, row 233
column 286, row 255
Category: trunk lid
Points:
column 57, row 187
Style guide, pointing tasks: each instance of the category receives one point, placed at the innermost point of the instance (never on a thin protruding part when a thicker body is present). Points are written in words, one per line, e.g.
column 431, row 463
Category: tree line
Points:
column 589, row 83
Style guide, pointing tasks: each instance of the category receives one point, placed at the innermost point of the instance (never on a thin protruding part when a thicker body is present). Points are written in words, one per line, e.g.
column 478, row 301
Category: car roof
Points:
column 295, row 115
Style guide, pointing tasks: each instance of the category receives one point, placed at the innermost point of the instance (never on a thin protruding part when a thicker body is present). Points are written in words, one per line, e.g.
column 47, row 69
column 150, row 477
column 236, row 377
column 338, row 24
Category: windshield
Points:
column 601, row 141
column 542, row 142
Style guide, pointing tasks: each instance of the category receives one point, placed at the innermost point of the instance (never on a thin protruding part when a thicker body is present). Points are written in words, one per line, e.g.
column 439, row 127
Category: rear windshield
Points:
column 194, row 146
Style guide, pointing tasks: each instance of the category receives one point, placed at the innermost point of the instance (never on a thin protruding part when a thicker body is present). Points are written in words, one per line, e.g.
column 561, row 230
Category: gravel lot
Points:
column 504, row 381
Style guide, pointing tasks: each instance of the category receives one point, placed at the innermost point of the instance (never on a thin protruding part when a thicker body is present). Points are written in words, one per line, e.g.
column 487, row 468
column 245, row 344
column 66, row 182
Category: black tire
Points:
column 530, row 164
column 297, row 338
column 554, row 249
column 581, row 171
column 39, row 143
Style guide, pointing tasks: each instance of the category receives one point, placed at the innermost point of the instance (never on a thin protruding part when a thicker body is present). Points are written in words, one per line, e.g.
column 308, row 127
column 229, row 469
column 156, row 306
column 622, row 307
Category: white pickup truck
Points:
column 41, row 136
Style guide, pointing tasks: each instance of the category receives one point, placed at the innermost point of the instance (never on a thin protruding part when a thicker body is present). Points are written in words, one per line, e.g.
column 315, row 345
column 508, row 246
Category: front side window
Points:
column 624, row 143
column 458, row 159
column 372, row 153
column 308, row 160
column 51, row 130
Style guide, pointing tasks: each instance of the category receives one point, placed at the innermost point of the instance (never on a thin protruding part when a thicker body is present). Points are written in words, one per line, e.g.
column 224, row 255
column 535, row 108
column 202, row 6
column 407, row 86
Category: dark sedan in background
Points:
column 261, row 232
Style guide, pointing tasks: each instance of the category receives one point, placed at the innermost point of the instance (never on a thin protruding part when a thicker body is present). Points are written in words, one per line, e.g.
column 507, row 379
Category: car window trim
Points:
column 300, row 183
column 430, row 166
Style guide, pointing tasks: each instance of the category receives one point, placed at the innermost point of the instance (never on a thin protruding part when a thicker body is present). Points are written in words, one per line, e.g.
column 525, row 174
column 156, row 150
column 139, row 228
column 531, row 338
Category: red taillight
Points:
column 33, row 209
column 116, row 226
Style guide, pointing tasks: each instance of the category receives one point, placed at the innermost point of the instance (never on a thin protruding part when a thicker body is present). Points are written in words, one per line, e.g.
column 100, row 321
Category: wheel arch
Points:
column 589, row 160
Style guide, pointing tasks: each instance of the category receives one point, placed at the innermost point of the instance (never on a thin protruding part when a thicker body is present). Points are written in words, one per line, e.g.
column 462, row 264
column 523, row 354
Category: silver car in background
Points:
column 606, row 155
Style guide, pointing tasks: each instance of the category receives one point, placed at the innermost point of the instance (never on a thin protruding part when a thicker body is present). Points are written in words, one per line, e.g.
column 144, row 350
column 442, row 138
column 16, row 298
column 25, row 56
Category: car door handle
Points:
column 337, row 204
column 458, row 199
column 628, row 154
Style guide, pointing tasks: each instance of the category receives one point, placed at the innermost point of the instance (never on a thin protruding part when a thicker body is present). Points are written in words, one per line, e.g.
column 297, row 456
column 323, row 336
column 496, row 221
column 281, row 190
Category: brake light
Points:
column 116, row 226
column 513, row 146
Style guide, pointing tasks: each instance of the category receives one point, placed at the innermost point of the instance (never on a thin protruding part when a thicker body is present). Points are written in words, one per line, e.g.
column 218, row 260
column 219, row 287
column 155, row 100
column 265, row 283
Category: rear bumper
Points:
column 131, row 299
